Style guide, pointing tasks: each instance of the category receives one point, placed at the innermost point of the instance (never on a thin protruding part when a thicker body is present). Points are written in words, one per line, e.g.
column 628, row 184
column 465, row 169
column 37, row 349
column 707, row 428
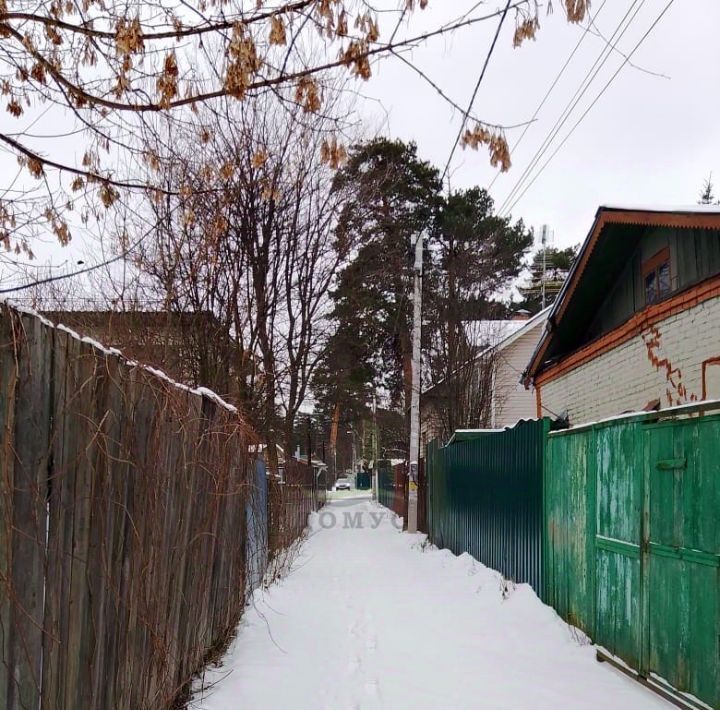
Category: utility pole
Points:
column 309, row 442
column 376, row 448
column 309, row 453
column 415, row 397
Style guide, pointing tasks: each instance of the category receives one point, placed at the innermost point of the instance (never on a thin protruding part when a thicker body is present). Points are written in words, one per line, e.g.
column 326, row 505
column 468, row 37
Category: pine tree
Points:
column 471, row 256
column 393, row 196
column 549, row 267
column 707, row 195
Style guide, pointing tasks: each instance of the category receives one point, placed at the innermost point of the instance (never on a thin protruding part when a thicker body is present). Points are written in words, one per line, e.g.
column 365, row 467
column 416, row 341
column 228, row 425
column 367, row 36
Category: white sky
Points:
column 648, row 140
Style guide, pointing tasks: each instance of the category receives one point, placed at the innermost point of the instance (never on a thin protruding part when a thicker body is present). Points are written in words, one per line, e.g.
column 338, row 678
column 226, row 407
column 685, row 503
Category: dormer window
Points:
column 656, row 277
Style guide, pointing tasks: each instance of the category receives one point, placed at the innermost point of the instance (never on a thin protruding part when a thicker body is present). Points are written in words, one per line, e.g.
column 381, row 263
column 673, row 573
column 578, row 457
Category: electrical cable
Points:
column 589, row 108
column 94, row 267
column 549, row 91
column 585, row 84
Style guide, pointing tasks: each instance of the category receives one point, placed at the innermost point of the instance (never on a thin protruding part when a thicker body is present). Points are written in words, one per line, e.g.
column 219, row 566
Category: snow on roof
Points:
column 712, row 209
column 490, row 333
column 506, row 336
column 501, row 333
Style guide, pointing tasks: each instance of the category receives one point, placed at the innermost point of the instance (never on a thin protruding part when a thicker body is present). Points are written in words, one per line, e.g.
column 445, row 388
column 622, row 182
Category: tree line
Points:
column 220, row 168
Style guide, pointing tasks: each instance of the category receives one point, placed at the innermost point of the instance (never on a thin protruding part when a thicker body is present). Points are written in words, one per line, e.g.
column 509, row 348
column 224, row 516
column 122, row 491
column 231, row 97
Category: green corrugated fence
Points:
column 484, row 496
column 632, row 550
column 363, row 481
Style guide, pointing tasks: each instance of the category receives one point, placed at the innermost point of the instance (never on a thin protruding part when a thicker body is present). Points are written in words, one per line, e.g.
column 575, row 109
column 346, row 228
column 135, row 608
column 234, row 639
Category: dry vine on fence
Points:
column 124, row 509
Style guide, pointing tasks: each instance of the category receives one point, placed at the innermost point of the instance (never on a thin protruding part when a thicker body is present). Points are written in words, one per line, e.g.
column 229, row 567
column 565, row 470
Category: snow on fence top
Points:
column 122, row 516
column 198, row 391
column 680, row 410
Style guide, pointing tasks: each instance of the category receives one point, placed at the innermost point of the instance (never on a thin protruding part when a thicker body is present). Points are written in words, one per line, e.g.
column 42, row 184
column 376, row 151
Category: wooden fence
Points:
column 122, row 524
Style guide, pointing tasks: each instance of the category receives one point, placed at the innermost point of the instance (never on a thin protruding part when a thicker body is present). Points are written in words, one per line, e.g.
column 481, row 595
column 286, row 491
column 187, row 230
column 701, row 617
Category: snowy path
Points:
column 367, row 619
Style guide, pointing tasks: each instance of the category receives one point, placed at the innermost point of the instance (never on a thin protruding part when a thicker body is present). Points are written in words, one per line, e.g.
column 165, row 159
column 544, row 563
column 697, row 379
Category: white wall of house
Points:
column 663, row 362
column 511, row 401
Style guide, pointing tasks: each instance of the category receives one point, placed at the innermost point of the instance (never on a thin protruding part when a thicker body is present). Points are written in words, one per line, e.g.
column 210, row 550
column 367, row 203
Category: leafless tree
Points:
column 96, row 74
column 461, row 383
column 259, row 255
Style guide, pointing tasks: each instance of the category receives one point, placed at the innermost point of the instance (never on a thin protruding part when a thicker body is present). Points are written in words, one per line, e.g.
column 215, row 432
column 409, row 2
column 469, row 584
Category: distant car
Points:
column 342, row 484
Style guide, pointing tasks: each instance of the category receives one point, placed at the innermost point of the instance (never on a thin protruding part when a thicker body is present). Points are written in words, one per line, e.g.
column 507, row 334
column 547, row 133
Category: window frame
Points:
column 652, row 266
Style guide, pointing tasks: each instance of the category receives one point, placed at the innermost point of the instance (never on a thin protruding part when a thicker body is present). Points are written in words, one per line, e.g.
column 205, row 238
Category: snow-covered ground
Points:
column 369, row 617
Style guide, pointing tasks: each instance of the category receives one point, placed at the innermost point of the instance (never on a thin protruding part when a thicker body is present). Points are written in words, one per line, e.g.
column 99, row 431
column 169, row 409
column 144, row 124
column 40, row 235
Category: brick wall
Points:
column 663, row 362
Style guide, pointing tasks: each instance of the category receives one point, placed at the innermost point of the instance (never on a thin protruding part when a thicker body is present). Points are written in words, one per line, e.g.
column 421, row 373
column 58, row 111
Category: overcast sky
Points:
column 648, row 139
column 651, row 138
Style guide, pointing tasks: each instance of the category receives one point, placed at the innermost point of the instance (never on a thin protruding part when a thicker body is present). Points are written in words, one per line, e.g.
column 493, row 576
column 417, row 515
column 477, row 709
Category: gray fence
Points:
column 124, row 536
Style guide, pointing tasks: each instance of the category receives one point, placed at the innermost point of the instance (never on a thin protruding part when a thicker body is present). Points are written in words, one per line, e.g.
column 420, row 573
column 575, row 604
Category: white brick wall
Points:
column 625, row 378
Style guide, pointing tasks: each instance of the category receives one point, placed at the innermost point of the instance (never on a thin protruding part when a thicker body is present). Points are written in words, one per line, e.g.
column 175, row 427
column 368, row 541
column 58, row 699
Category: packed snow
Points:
column 370, row 617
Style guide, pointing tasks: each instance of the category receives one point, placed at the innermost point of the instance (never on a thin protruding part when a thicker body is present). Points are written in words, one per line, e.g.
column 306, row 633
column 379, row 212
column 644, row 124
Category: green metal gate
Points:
column 682, row 550
column 633, row 542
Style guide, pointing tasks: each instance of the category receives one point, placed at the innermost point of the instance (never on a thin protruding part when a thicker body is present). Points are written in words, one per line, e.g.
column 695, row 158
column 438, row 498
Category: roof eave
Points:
column 683, row 217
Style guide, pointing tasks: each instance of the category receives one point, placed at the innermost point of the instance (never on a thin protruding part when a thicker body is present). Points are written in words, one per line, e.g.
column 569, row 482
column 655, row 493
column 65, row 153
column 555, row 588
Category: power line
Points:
column 477, row 88
column 137, row 242
column 589, row 108
column 94, row 267
column 416, row 386
column 549, row 91
column 585, row 84
column 466, row 113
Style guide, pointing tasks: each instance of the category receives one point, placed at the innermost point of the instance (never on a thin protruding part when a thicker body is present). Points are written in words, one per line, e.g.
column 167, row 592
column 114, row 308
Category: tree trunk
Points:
column 334, row 436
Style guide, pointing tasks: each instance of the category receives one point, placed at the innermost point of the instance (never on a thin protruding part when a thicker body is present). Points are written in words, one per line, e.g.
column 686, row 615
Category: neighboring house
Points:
column 511, row 402
column 192, row 348
column 637, row 324
column 506, row 351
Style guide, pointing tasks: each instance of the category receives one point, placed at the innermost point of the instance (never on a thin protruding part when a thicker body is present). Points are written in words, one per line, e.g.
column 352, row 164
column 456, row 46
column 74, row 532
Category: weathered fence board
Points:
column 26, row 404
column 256, row 513
column 123, row 538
